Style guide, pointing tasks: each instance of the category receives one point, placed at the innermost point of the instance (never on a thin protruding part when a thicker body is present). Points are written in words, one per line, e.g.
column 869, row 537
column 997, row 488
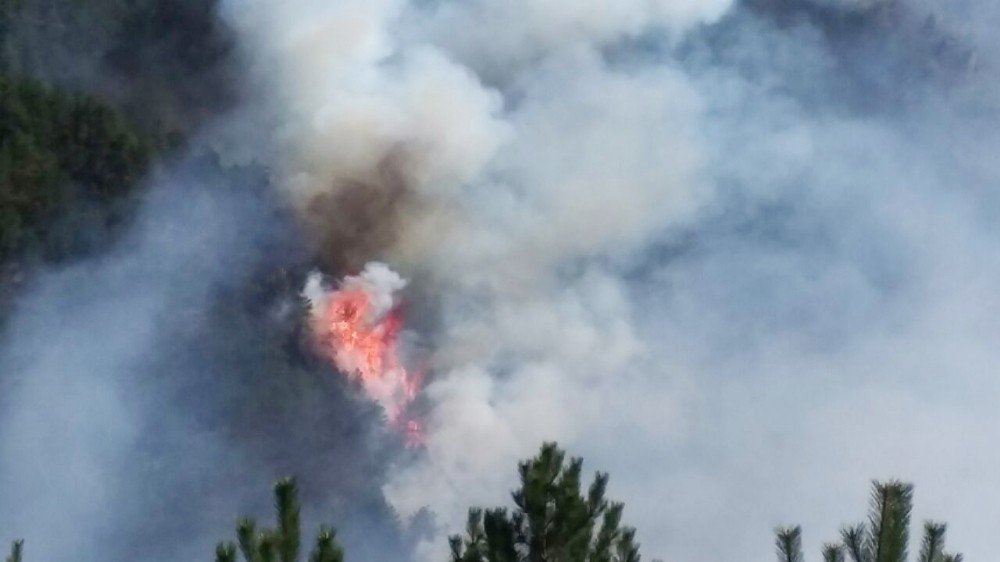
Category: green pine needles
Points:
column 932, row 549
column 553, row 521
column 282, row 543
column 789, row 544
column 883, row 539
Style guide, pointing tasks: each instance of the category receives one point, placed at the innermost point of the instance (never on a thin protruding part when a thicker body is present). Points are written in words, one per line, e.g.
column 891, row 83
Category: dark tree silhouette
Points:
column 15, row 551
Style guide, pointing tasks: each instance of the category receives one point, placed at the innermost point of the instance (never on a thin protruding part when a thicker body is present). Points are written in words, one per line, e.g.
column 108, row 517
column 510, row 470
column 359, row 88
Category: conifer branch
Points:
column 288, row 533
column 225, row 552
column 326, row 549
column 283, row 543
column 855, row 541
column 892, row 503
column 246, row 536
column 833, row 552
column 16, row 550
column 789, row 544
column 932, row 548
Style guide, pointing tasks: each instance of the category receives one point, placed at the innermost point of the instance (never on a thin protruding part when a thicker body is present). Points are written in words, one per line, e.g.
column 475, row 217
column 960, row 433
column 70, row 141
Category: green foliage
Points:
column 553, row 520
column 61, row 154
column 288, row 520
column 889, row 521
column 883, row 539
column 280, row 544
column 932, row 549
column 16, row 549
column 225, row 552
column 87, row 90
column 833, row 552
column 789, row 543
column 855, row 542
column 327, row 549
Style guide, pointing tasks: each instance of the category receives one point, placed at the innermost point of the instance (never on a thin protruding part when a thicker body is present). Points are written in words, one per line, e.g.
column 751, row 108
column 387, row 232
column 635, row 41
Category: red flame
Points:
column 363, row 343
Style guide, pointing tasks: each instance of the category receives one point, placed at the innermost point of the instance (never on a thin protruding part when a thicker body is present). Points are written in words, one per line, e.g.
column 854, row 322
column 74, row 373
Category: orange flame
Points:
column 363, row 342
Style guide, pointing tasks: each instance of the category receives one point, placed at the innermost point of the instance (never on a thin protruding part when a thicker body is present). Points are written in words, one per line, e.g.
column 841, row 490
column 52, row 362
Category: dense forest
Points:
column 68, row 167
column 90, row 95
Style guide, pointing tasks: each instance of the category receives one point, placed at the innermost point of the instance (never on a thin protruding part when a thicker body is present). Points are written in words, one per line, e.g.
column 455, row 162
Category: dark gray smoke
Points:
column 359, row 220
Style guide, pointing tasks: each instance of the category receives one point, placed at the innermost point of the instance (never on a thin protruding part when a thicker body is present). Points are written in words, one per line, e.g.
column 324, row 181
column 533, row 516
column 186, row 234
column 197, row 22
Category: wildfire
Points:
column 357, row 325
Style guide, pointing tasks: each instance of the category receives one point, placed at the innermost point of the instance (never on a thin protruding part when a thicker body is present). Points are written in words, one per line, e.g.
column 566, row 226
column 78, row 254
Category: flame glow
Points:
column 357, row 326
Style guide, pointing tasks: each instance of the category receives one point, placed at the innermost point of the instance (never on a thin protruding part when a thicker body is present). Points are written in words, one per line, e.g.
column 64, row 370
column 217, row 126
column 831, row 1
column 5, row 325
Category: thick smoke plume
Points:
column 718, row 248
column 741, row 254
column 146, row 399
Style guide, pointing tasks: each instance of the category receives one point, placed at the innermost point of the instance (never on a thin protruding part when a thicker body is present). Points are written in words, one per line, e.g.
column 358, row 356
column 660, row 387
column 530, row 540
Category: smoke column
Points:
column 735, row 253
column 740, row 254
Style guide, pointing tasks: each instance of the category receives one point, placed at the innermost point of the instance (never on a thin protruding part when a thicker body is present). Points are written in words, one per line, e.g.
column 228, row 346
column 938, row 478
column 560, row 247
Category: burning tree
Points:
column 553, row 520
column 280, row 544
column 883, row 539
column 357, row 325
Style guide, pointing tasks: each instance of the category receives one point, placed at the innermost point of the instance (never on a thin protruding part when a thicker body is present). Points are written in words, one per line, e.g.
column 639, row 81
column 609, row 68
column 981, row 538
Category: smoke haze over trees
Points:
column 150, row 301
column 742, row 254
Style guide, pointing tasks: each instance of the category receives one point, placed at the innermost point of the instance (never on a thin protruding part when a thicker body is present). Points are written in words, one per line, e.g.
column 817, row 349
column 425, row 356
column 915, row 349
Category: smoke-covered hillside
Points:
column 740, row 253
column 154, row 370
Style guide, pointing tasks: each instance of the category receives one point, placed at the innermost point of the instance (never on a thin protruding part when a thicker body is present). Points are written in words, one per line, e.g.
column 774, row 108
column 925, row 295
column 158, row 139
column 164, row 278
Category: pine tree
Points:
column 883, row 539
column 553, row 521
column 889, row 522
column 789, row 543
column 282, row 543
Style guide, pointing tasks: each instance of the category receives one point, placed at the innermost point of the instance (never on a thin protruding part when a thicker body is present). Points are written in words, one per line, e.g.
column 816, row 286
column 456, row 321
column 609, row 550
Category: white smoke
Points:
column 377, row 280
column 685, row 251
column 380, row 283
column 590, row 161
column 84, row 408
column 348, row 97
column 316, row 290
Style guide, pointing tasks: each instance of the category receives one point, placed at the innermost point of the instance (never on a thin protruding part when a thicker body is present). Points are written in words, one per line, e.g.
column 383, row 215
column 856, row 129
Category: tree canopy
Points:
column 282, row 542
column 884, row 538
column 553, row 520
column 62, row 156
